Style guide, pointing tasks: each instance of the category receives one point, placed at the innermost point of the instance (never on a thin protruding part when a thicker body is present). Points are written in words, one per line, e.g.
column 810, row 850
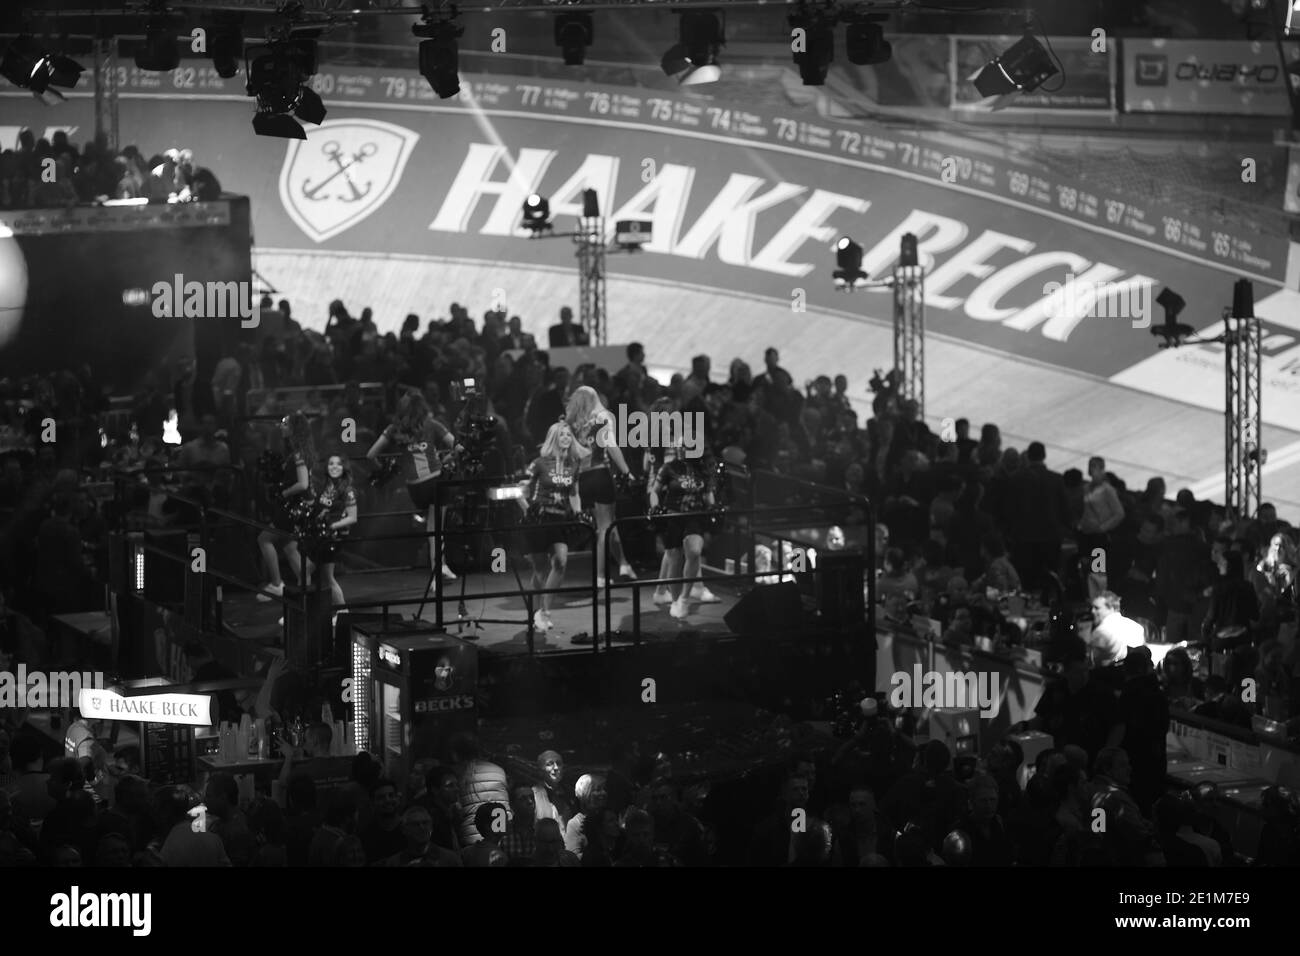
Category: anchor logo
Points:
column 342, row 172
column 335, row 154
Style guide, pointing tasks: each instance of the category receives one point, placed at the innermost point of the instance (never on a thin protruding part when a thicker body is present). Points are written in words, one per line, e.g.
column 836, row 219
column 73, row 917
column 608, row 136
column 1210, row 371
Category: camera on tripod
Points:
column 475, row 432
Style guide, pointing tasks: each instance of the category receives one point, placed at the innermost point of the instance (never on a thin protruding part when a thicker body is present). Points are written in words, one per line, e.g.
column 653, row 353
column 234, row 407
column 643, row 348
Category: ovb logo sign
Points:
column 342, row 172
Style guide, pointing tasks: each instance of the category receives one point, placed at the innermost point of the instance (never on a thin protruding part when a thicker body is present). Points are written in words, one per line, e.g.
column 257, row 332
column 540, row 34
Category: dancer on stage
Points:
column 682, row 486
column 552, row 502
column 337, row 502
column 593, row 426
column 295, row 492
column 417, row 435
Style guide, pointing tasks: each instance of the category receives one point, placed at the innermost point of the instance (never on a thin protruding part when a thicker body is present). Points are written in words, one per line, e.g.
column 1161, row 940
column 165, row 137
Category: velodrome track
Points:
column 1074, row 414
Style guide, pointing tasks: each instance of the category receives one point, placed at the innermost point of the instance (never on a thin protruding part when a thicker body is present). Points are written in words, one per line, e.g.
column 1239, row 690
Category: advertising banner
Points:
column 1235, row 77
column 739, row 200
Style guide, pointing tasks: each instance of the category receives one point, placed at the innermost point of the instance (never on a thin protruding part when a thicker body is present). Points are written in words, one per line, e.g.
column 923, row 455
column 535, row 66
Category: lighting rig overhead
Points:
column 30, row 66
column 440, row 52
column 574, row 32
column 693, row 60
column 278, row 77
column 814, row 47
column 864, row 39
column 1024, row 67
column 226, row 43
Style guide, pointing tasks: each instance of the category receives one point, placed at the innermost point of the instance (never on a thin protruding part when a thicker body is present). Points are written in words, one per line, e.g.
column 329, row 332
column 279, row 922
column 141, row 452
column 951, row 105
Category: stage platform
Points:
column 247, row 618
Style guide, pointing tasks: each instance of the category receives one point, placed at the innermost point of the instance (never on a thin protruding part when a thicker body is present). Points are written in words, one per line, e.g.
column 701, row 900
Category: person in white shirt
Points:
column 1112, row 633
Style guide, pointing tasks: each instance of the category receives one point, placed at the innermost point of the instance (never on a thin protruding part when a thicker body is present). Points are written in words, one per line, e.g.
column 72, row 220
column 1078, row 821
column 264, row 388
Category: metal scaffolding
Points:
column 106, row 92
column 1243, row 457
column 590, row 238
column 909, row 333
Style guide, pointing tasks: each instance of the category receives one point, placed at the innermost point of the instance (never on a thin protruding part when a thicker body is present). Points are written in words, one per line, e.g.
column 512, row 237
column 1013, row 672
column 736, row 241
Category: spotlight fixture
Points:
column 160, row 52
column 590, row 204
column 818, row 47
column 226, row 45
column 440, row 55
column 573, row 34
column 864, row 41
column 1022, row 68
column 1243, row 299
column 29, row 67
column 537, row 214
column 277, row 77
column 848, row 259
column 693, row 60
column 1171, row 330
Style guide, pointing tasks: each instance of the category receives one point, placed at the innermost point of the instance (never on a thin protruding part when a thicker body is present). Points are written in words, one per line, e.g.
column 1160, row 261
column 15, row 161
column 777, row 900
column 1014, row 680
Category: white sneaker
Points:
column 447, row 573
column 280, row 622
column 663, row 595
column 678, row 609
column 600, row 582
column 625, row 571
column 542, row 621
column 271, row 589
column 704, row 595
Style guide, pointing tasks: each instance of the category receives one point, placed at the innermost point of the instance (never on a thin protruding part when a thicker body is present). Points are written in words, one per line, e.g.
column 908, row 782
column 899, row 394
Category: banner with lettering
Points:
column 1235, row 77
column 738, row 200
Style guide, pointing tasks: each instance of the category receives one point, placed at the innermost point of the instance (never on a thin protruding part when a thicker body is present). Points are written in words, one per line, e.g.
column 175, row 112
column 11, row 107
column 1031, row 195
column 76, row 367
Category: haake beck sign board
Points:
column 192, row 709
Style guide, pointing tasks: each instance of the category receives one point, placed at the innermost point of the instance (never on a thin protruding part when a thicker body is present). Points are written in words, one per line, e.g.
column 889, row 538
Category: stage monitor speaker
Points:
column 768, row 609
column 164, row 577
column 839, row 578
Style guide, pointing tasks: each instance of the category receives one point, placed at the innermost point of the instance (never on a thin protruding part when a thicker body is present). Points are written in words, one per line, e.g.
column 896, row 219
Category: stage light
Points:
column 1243, row 299
column 29, row 67
column 814, row 60
column 573, row 34
column 440, row 56
column 590, row 204
column 848, row 259
column 907, row 255
column 226, row 47
column 1022, row 68
column 694, row 59
column 1171, row 330
column 160, row 52
column 277, row 78
column 865, row 43
column 537, row 214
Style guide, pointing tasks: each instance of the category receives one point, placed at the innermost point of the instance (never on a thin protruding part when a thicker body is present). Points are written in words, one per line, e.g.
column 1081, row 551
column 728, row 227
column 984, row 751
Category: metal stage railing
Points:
column 790, row 526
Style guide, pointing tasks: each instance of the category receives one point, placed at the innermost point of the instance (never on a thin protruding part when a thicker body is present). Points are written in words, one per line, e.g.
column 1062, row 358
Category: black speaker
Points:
column 839, row 577
column 309, row 639
column 164, row 577
column 768, row 609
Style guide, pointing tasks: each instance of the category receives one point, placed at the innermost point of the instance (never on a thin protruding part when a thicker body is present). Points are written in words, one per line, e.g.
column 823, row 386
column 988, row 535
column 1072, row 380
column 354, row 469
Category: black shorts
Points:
column 676, row 530
column 423, row 493
column 596, row 487
column 327, row 551
column 537, row 534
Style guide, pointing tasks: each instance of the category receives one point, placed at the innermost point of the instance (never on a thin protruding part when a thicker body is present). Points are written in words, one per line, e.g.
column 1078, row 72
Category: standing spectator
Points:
column 480, row 782
column 1102, row 514
column 1039, row 516
column 549, row 797
column 566, row 334
column 1144, row 716
column 1181, row 572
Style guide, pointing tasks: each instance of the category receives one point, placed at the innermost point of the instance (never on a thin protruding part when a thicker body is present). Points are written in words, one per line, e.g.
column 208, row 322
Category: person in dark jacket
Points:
column 1233, row 602
column 1039, row 515
column 1181, row 571
column 1144, row 714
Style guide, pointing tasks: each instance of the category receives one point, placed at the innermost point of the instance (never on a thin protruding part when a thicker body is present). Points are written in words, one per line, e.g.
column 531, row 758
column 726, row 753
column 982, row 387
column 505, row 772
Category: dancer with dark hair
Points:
column 683, row 486
column 294, row 493
column 337, row 502
column 417, row 436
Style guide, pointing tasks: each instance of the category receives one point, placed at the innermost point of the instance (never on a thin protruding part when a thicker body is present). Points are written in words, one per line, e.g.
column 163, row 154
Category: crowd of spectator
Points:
column 42, row 173
column 962, row 519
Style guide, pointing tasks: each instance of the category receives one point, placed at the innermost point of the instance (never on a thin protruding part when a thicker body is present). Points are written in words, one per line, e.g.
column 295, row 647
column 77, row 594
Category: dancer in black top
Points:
column 295, row 493
column 337, row 504
column 552, row 503
column 682, row 486
column 418, row 436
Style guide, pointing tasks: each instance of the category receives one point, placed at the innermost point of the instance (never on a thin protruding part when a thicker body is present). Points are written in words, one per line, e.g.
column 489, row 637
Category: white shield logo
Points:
column 342, row 172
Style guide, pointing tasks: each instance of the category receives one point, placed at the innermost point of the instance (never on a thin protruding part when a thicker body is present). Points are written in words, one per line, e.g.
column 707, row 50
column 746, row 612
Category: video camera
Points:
column 476, row 432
